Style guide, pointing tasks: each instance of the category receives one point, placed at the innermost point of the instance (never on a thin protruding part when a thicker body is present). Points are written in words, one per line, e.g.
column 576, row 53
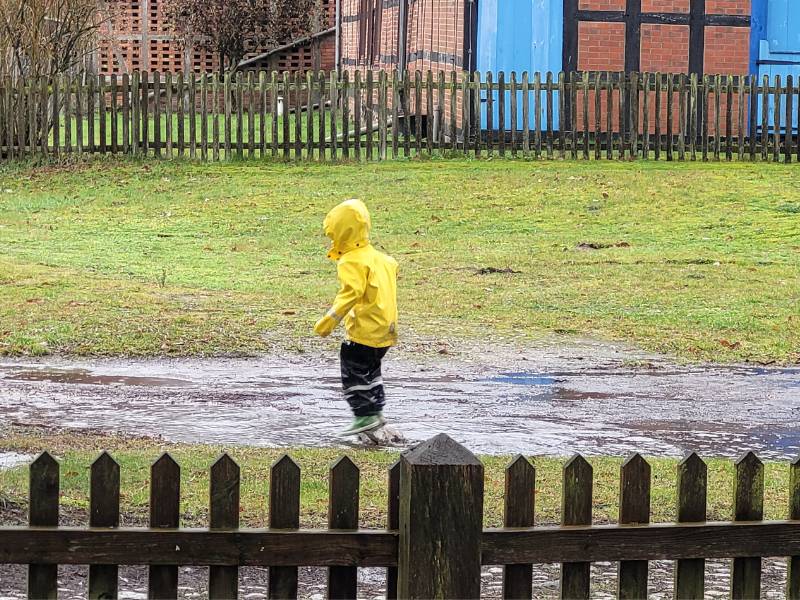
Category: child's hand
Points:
column 325, row 326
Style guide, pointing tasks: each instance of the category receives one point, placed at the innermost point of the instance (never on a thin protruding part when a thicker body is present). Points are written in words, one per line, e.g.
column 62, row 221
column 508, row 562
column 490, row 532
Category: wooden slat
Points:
column 490, row 114
column 165, row 494
column 370, row 548
column 405, row 85
column 91, row 96
column 44, row 116
column 501, row 113
column 729, row 118
column 240, row 96
column 215, row 112
column 102, row 114
column 740, row 123
column 343, row 514
column 251, row 115
column 67, row 88
column 549, row 113
column 670, row 120
column 704, row 113
column 430, row 110
column 633, row 111
column 310, row 100
column 526, row 114
column 167, row 113
column 79, row 116
column 334, row 91
column 753, row 117
column 586, row 115
column 323, row 115
column 622, row 129
column 204, row 117
column 513, row 107
column 634, row 507
column 748, row 506
column 357, row 96
column 519, row 511
column 576, row 509
column 765, row 118
column 610, row 116
column 19, row 113
column 573, row 113
column 597, row 115
column 383, row 114
column 395, row 92
column 793, row 575
column 226, row 98
column 717, row 116
column 453, row 121
column 114, row 115
column 466, row 114
column 682, row 126
column 274, row 93
column 776, row 129
column 298, row 116
column 284, row 513
column 441, row 110
column 43, row 493
column 693, row 113
column 57, row 81
column 787, row 153
column 370, row 113
column 657, row 115
column 562, row 115
column 157, row 114
column 418, row 111
column 223, row 581
column 393, row 524
column 692, row 494
column 136, row 120
column 180, row 93
column 263, row 104
column 145, row 112
column 126, row 108
column 537, row 117
column 103, row 512
column 345, row 99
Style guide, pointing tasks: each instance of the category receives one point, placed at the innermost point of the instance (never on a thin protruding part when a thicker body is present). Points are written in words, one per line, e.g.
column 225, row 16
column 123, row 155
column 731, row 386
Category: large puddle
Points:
column 546, row 403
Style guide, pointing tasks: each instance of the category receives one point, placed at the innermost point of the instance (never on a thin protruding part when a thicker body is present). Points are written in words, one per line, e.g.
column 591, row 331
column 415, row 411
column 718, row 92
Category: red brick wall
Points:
column 161, row 51
column 601, row 46
column 664, row 48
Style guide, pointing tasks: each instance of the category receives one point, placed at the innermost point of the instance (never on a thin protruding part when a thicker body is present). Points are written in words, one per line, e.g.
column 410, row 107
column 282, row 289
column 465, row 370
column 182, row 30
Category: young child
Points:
column 367, row 301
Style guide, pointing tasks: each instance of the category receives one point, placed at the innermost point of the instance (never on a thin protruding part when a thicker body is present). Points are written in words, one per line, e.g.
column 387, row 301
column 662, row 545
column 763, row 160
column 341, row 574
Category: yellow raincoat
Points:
column 367, row 298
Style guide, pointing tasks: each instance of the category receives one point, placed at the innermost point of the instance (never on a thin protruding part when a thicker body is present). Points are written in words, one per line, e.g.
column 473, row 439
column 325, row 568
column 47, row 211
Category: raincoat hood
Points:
column 347, row 225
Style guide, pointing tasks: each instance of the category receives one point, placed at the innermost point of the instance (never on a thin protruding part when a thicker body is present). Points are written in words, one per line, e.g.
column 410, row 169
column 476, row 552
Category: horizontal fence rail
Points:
column 434, row 543
column 373, row 115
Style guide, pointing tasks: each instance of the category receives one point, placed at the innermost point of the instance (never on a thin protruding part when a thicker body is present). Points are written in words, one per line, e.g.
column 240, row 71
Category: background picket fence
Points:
column 434, row 543
column 377, row 115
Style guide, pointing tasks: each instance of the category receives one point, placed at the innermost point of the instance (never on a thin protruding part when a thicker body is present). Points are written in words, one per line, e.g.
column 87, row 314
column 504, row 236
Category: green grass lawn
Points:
column 78, row 450
column 177, row 258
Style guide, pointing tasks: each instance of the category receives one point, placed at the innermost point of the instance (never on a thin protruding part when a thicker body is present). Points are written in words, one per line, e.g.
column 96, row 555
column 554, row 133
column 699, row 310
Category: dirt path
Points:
column 587, row 397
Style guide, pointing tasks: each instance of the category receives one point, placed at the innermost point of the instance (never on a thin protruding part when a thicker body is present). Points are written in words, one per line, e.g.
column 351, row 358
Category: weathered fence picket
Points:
column 433, row 544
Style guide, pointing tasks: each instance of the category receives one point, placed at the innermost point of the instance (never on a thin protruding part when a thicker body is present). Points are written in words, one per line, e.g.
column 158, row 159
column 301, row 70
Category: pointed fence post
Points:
column 104, row 512
column 748, row 506
column 44, row 489
column 441, row 517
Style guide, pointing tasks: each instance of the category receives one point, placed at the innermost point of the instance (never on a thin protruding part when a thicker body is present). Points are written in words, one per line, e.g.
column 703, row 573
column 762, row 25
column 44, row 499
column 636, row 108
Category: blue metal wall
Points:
column 520, row 35
column 775, row 48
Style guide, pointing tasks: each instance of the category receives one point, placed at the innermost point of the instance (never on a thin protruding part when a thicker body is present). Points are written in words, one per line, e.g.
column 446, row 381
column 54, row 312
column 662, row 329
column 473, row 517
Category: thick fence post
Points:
column 441, row 517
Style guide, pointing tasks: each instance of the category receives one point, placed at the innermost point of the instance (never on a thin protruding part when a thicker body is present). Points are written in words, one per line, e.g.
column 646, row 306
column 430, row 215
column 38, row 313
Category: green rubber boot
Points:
column 363, row 424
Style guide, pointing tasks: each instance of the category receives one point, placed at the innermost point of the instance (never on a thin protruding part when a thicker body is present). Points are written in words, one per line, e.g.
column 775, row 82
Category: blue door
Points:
column 520, row 35
column 776, row 45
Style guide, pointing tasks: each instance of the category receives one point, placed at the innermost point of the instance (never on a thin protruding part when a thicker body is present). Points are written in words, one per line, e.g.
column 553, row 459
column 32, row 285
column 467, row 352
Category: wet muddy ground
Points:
column 586, row 397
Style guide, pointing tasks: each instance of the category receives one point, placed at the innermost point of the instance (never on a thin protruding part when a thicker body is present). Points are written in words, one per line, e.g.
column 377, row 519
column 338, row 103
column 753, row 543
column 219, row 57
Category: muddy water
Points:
column 552, row 401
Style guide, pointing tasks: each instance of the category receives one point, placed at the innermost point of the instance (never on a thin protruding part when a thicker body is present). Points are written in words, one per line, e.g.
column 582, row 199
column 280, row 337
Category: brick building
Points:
column 135, row 36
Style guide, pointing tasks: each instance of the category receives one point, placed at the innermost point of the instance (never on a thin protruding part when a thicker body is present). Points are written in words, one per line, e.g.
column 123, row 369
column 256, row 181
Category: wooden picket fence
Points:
column 379, row 115
column 434, row 543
